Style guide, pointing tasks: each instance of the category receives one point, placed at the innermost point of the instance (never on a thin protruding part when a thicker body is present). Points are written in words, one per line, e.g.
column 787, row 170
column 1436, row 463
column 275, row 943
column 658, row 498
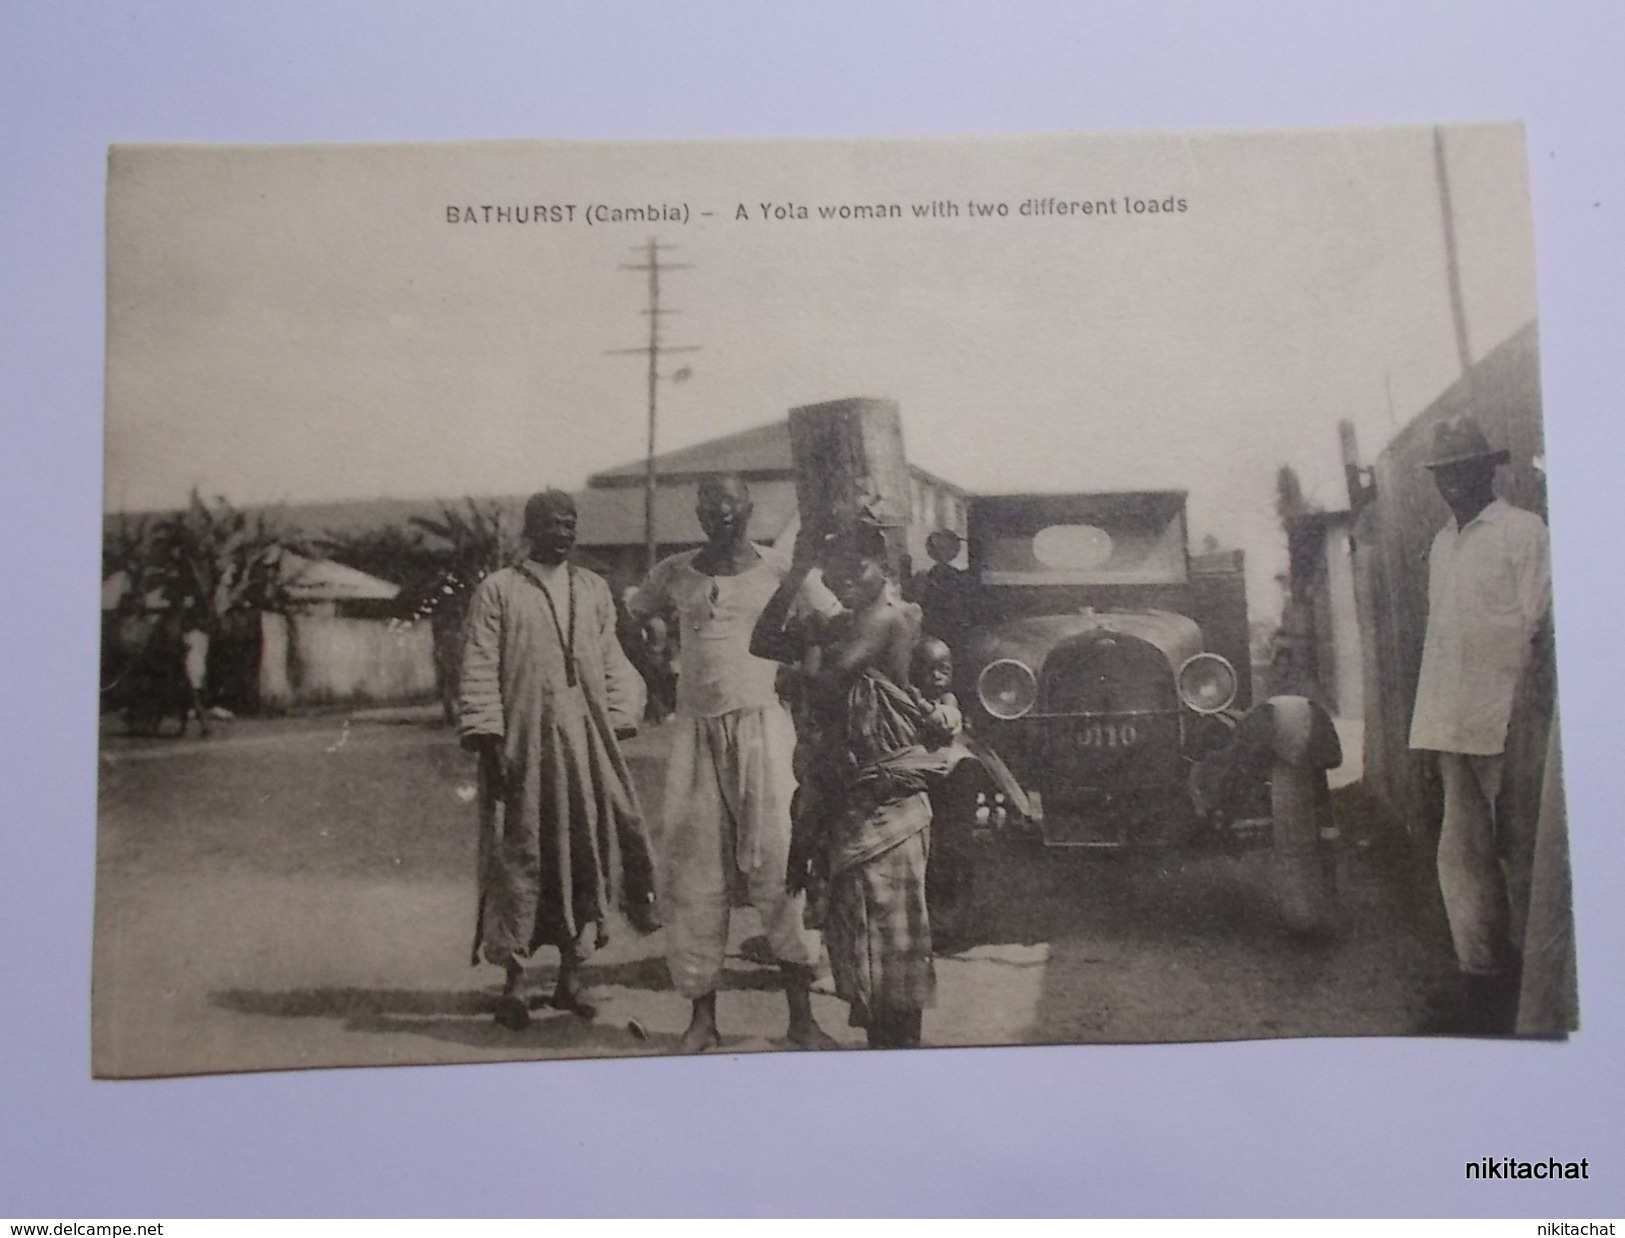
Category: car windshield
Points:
column 1126, row 551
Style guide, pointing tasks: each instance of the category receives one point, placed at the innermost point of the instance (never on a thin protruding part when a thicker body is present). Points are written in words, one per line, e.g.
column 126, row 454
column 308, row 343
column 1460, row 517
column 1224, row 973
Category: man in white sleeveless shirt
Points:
column 729, row 782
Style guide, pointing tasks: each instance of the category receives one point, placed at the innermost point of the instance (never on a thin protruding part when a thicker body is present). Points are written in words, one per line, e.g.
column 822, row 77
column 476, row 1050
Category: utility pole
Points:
column 1458, row 309
column 654, row 350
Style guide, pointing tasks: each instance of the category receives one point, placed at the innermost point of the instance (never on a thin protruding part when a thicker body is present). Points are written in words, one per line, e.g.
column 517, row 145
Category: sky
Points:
column 291, row 324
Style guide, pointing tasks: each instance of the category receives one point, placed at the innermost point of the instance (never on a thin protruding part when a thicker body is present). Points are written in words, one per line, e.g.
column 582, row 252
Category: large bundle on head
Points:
column 850, row 466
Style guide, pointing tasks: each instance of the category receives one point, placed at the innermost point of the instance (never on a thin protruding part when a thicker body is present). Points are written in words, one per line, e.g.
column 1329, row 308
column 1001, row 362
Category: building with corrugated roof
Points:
column 610, row 529
column 312, row 585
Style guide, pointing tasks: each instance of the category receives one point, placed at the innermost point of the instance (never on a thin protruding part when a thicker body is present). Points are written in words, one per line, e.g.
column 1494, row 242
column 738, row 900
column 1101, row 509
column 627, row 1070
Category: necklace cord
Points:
column 568, row 645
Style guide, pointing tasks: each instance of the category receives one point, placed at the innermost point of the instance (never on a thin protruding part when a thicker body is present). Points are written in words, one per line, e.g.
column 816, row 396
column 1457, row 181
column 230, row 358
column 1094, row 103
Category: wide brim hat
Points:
column 1457, row 440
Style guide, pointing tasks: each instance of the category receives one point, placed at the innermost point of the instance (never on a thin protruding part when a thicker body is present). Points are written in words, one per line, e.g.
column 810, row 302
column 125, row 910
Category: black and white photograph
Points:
column 625, row 599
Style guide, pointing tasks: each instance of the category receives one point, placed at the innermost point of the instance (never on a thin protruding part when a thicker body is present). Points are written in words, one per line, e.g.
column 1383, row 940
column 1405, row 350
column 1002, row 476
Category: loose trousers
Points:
column 727, row 841
column 1484, row 866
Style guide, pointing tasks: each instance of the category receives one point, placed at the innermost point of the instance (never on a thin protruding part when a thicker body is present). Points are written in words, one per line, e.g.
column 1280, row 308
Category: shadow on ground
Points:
column 1189, row 945
column 465, row 1016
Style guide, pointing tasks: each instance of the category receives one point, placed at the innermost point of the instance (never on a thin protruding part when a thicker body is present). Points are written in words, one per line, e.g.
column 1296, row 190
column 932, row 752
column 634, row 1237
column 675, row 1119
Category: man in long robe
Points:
column 545, row 693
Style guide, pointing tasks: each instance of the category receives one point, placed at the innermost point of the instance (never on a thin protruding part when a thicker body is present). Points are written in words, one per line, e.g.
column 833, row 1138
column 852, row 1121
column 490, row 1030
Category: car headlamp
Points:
column 1207, row 683
column 1007, row 689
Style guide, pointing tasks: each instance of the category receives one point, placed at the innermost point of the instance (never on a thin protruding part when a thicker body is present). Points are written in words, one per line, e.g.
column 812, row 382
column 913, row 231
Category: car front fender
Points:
column 1292, row 731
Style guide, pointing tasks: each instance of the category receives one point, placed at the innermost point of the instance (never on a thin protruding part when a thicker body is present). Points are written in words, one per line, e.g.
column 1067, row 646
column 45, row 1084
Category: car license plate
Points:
column 1107, row 734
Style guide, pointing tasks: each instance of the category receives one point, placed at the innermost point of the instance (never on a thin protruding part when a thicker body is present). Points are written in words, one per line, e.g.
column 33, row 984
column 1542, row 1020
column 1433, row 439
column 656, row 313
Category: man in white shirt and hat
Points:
column 1489, row 599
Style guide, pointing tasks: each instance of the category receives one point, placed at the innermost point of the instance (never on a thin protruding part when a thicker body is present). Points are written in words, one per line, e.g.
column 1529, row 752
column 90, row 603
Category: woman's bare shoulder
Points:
column 906, row 619
column 887, row 632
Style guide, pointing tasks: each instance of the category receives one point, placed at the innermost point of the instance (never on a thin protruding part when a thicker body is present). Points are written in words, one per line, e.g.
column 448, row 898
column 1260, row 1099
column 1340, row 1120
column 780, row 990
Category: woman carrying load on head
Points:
column 864, row 818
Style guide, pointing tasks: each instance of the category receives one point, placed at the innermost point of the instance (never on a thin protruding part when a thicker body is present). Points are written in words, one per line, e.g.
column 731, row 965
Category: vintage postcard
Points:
column 571, row 599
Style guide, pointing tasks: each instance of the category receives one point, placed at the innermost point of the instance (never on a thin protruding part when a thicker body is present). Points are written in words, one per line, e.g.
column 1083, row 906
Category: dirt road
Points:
column 300, row 893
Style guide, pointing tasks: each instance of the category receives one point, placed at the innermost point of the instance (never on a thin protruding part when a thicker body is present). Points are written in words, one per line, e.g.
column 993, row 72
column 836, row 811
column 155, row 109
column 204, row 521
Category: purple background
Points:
column 1374, row 1127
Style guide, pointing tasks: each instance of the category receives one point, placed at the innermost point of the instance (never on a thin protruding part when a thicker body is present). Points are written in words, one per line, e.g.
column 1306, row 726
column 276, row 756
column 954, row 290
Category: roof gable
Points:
column 762, row 451
column 306, row 580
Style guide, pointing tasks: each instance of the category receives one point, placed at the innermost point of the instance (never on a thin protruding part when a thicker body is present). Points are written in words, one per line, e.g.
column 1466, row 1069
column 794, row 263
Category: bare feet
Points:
column 702, row 1027
column 512, row 1013
column 804, row 1030
column 693, row 1042
column 894, row 1029
column 811, row 1036
column 511, row 1010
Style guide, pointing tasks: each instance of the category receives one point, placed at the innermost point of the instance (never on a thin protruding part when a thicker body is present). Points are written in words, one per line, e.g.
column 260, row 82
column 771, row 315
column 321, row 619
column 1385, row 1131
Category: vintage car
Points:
column 1106, row 680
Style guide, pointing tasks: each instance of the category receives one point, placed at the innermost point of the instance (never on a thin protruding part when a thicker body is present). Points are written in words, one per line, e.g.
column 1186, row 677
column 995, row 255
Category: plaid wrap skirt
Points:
column 876, row 927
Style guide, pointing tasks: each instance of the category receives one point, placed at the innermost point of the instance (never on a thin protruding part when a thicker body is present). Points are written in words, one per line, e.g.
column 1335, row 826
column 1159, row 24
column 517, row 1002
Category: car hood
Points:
column 1030, row 640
